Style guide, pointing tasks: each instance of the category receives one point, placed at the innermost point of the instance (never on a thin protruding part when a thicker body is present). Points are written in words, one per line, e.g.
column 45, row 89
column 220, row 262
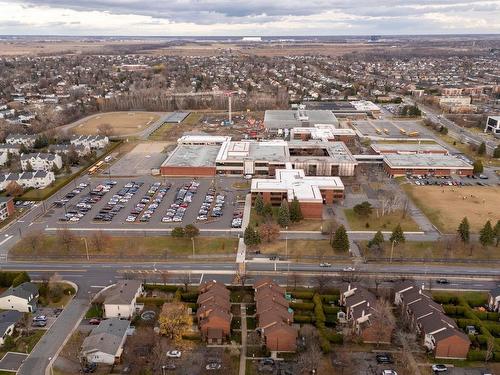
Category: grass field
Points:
column 128, row 247
column 432, row 250
column 122, row 123
column 305, row 224
column 300, row 248
column 446, row 207
column 386, row 222
column 168, row 132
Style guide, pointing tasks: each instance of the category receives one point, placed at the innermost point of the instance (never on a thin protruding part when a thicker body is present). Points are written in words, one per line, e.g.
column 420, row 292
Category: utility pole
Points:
column 192, row 240
column 86, row 247
column 392, row 250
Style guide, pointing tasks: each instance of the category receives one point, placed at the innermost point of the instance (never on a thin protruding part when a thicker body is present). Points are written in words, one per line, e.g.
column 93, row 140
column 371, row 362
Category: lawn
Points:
column 305, row 224
column 25, row 344
column 297, row 249
column 431, row 250
column 170, row 132
column 127, row 247
column 445, row 206
column 386, row 223
column 122, row 123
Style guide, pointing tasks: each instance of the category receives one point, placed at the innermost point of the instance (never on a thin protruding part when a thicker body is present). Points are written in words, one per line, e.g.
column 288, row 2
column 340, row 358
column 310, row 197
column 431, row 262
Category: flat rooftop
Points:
column 426, row 161
column 407, row 147
column 330, row 106
column 337, row 151
column 285, row 119
column 267, row 151
column 297, row 184
column 192, row 156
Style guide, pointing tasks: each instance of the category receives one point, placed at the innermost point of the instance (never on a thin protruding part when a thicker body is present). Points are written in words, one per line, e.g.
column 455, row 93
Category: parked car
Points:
column 94, row 321
column 174, row 354
column 89, row 368
column 40, row 318
column 389, row 372
column 384, row 358
column 439, row 368
column 169, row 366
column 213, row 366
column 39, row 323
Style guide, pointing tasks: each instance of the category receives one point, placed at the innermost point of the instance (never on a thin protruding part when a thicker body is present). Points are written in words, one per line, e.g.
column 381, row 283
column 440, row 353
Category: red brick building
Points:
column 425, row 164
column 214, row 312
column 6, row 207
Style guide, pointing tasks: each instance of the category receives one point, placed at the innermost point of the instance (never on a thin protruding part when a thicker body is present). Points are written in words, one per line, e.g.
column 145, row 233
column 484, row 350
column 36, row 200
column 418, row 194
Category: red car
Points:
column 95, row 321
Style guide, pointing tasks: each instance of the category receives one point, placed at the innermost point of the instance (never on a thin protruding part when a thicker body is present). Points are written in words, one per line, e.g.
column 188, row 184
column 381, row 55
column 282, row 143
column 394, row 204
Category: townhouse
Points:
column 360, row 305
column 40, row 161
column 62, row 149
column 440, row 334
column 214, row 312
column 93, row 142
column 21, row 139
column 274, row 316
column 35, row 180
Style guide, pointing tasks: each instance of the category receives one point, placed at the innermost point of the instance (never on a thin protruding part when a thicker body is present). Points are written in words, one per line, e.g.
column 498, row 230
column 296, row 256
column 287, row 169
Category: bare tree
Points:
column 14, row 189
column 311, row 356
column 185, row 279
column 34, row 240
column 322, row 282
column 295, row 279
column 66, row 237
column 490, row 348
column 382, row 321
column 99, row 240
column 269, row 232
column 105, row 129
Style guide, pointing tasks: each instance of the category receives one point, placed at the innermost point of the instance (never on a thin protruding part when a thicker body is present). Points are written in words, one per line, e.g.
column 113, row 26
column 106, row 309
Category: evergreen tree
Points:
column 487, row 235
column 22, row 277
column 340, row 240
column 295, row 211
column 496, row 152
column 377, row 240
column 464, row 230
column 259, row 204
column 251, row 236
column 284, row 214
column 477, row 167
column 482, row 149
column 397, row 235
column 496, row 230
column 363, row 209
column 267, row 211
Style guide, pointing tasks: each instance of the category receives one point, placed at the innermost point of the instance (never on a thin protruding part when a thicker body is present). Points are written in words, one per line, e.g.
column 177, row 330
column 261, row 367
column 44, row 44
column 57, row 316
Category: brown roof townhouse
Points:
column 440, row 333
column 214, row 315
column 275, row 317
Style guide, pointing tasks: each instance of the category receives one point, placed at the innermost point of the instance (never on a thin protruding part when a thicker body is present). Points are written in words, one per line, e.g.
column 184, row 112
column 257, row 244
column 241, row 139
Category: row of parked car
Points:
column 117, row 201
column 73, row 193
column 183, row 197
column 237, row 219
column 75, row 212
column 212, row 205
column 147, row 206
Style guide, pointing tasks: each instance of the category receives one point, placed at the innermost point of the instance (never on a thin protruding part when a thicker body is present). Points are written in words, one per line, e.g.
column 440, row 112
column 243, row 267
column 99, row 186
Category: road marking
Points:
column 4, row 241
column 201, row 278
column 97, row 286
column 30, row 224
column 20, row 221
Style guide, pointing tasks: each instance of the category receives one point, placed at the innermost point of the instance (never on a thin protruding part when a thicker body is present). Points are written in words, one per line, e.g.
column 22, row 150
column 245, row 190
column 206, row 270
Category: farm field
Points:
column 447, row 206
column 121, row 123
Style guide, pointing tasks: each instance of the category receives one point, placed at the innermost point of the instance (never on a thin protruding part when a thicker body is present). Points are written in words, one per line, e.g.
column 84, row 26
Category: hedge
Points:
column 454, row 310
column 302, row 306
column 324, row 344
column 152, row 301
column 330, row 298
column 331, row 319
column 161, row 288
column 446, row 299
column 302, row 295
column 189, row 297
column 476, row 355
column 331, row 310
column 318, row 310
column 476, row 299
column 462, row 323
column 302, row 319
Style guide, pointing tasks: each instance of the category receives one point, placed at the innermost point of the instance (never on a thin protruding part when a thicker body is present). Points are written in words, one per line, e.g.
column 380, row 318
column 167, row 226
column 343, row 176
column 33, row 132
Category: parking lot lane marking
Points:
column 201, row 278
column 4, row 241
column 98, row 286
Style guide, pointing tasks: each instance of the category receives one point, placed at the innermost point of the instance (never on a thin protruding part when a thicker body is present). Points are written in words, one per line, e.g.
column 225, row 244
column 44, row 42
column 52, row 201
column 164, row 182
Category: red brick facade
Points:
column 187, row 171
column 395, row 172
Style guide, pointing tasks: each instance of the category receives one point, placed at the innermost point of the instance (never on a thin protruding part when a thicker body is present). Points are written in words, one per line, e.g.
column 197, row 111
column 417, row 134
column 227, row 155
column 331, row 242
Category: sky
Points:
column 248, row 17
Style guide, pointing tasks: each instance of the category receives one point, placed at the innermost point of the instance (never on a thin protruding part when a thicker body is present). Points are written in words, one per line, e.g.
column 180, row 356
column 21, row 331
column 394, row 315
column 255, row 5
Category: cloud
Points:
column 257, row 17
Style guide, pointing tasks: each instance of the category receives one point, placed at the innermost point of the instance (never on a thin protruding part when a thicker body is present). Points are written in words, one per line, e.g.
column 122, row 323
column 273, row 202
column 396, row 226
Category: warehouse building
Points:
column 311, row 191
column 425, row 164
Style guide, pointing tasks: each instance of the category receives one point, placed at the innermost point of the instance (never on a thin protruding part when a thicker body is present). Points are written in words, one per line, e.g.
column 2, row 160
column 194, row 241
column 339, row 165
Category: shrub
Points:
column 330, row 298
column 476, row 355
column 324, row 344
column 462, row 323
column 161, row 288
column 302, row 295
column 476, row 299
column 302, row 306
column 493, row 316
column 318, row 310
column 331, row 319
column 446, row 299
column 454, row 310
column 331, row 309
column 151, row 301
column 302, row 319
column 189, row 297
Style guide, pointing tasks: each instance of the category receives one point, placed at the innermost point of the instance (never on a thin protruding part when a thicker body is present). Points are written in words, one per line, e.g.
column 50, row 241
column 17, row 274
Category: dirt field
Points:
column 122, row 123
column 446, row 206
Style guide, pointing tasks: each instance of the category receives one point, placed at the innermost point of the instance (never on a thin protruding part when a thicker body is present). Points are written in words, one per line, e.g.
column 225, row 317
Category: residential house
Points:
column 35, row 180
column 361, row 314
column 105, row 342
column 274, row 316
column 91, row 141
column 494, row 299
column 23, row 298
column 8, row 321
column 6, row 207
column 120, row 299
column 214, row 312
column 12, row 148
column 40, row 161
column 21, row 139
column 440, row 334
column 4, row 156
column 81, row 150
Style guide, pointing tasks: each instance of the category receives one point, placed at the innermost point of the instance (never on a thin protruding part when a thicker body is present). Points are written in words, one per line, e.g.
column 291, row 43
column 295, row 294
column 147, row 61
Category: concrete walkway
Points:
column 243, row 353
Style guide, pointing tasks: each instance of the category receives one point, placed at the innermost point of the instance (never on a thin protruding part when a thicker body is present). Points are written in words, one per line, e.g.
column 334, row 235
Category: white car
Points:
column 326, row 264
column 167, row 219
column 131, row 219
column 349, row 269
column 439, row 368
column 174, row 354
column 389, row 372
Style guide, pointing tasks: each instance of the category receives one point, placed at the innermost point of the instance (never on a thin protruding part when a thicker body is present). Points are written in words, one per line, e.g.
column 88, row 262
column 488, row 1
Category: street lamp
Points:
column 192, row 240
column 86, row 247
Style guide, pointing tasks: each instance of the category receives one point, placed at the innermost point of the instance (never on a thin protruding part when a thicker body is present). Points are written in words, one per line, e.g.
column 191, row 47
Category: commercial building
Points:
column 223, row 156
column 311, row 192
column 278, row 120
column 493, row 126
column 6, row 207
column 425, row 164
column 324, row 133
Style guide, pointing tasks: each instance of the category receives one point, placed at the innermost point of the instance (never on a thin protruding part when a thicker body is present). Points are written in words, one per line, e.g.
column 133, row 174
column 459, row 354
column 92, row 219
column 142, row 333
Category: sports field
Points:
column 120, row 123
column 446, row 206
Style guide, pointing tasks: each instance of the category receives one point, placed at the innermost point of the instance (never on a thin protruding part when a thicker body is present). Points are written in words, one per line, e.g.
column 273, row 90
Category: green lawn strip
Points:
column 25, row 344
column 435, row 216
column 129, row 246
column 387, row 222
column 429, row 250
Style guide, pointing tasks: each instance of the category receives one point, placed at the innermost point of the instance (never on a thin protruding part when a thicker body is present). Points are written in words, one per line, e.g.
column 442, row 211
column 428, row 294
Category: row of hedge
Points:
column 308, row 295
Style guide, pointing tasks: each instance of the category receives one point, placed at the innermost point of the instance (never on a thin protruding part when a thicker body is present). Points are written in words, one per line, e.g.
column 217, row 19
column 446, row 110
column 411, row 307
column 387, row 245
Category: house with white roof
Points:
column 40, row 161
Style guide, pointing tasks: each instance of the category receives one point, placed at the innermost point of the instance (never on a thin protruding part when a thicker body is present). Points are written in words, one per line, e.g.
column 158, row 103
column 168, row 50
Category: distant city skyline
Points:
column 241, row 18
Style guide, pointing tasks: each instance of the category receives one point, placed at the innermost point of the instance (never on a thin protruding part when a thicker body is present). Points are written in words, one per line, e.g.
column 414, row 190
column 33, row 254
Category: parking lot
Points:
column 390, row 129
column 139, row 161
column 450, row 181
column 159, row 202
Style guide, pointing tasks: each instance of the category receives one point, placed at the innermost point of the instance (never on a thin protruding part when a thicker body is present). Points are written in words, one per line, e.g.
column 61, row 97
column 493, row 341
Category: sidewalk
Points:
column 243, row 353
